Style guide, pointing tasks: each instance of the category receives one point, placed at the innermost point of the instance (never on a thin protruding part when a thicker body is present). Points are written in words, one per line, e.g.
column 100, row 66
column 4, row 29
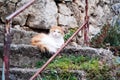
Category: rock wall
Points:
column 45, row 13
column 17, row 36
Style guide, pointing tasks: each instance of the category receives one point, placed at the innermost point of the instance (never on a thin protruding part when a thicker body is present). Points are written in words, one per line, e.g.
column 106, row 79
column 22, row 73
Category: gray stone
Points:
column 93, row 30
column 63, row 9
column 116, row 8
column 114, row 20
column 27, row 73
column 23, row 55
column 6, row 9
column 18, row 36
column 17, row 27
column 42, row 14
column 69, row 21
column 14, row 1
column 1, row 2
column 115, row 1
column 78, row 12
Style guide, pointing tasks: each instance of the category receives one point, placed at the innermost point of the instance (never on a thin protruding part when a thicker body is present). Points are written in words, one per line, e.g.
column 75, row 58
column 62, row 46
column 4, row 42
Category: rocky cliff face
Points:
column 46, row 13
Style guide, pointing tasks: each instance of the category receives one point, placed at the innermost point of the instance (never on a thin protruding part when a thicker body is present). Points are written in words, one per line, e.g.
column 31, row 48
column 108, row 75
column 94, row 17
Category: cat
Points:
column 49, row 42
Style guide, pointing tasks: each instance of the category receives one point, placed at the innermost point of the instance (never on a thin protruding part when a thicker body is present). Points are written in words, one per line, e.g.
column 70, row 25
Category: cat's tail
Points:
column 39, row 44
column 35, row 41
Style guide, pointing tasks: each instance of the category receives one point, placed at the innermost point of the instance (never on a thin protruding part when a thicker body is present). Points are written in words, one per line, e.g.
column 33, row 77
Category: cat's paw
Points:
column 43, row 48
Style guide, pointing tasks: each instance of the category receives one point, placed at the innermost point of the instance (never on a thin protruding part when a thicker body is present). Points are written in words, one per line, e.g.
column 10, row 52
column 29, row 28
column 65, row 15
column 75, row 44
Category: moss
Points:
column 108, row 34
column 91, row 66
column 54, row 75
column 70, row 33
column 101, row 74
column 71, row 62
column 41, row 62
column 64, row 64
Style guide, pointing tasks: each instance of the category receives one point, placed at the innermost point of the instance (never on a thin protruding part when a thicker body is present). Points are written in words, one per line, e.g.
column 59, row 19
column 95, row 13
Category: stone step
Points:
column 23, row 58
column 17, row 36
column 20, row 73
column 27, row 73
column 23, row 55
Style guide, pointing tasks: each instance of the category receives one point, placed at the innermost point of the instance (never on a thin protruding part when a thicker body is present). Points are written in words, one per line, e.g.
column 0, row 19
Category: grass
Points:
column 70, row 62
column 94, row 70
column 53, row 75
column 70, row 33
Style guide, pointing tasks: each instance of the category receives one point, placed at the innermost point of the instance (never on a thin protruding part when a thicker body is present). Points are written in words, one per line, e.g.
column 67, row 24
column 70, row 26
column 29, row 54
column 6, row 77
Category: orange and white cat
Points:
column 49, row 42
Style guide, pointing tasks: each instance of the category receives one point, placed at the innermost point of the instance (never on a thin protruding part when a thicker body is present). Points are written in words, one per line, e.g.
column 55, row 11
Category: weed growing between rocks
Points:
column 69, row 33
column 98, row 40
column 108, row 36
column 54, row 75
column 60, row 68
column 113, row 36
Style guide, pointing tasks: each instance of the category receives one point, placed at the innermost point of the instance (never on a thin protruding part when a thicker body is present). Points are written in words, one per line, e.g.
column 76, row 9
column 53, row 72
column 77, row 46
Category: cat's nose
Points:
column 55, row 34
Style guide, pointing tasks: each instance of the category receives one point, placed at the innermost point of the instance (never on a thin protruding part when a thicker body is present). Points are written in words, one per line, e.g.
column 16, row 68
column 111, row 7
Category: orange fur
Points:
column 35, row 41
column 57, row 27
column 38, row 41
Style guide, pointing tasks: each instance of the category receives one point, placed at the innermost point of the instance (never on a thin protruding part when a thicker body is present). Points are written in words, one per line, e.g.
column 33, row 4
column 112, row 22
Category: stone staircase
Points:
column 24, row 56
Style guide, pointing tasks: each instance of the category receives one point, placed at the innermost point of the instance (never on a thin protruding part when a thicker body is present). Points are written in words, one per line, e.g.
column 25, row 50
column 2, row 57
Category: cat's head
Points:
column 57, row 31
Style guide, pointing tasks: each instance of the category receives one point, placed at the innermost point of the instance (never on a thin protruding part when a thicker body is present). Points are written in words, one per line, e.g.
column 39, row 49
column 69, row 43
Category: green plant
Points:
column 98, row 39
column 108, row 34
column 54, row 75
column 67, row 62
column 117, row 61
column 90, row 65
column 70, row 33
column 59, row 68
column 113, row 36
column 41, row 62
column 102, row 74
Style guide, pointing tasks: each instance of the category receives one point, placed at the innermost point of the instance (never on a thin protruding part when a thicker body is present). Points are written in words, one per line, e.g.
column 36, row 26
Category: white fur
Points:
column 53, row 43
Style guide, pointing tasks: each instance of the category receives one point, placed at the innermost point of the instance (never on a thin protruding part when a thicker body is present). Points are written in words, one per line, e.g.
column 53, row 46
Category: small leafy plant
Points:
column 98, row 40
column 108, row 34
column 113, row 36
column 70, row 33
column 54, row 75
column 63, row 64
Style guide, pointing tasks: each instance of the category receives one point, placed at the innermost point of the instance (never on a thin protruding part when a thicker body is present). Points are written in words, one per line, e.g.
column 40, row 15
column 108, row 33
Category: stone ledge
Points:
column 17, row 36
column 26, row 73
column 23, row 55
column 26, row 55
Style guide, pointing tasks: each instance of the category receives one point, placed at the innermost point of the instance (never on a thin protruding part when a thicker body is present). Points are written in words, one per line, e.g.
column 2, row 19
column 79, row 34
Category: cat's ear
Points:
column 53, row 27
